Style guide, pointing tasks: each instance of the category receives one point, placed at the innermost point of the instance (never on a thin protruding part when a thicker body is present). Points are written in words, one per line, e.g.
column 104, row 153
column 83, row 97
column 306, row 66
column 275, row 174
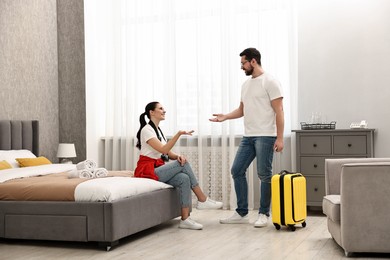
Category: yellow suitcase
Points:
column 288, row 191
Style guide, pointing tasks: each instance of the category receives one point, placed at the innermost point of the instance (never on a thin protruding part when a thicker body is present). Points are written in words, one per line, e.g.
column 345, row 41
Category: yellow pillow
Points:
column 26, row 162
column 5, row 165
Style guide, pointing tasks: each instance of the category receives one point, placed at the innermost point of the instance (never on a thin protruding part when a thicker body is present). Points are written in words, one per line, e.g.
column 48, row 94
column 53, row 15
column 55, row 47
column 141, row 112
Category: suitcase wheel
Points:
column 292, row 227
column 303, row 224
column 277, row 226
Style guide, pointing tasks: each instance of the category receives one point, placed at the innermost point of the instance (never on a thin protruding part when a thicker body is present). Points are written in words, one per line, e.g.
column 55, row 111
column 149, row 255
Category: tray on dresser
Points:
column 305, row 126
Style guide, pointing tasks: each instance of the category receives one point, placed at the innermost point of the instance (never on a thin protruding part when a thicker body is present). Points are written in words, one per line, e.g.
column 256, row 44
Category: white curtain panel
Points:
column 184, row 54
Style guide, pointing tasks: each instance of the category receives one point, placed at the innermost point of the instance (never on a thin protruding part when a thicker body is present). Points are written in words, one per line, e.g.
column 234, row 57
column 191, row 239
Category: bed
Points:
column 105, row 222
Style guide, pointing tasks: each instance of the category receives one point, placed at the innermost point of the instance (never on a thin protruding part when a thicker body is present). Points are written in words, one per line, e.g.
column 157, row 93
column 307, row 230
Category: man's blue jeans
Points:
column 251, row 147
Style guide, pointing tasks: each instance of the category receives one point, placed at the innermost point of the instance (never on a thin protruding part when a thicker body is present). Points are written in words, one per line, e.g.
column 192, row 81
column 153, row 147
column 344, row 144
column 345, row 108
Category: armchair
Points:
column 357, row 203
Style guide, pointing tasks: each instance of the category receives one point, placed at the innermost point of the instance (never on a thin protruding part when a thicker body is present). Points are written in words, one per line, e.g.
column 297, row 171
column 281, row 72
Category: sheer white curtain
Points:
column 184, row 54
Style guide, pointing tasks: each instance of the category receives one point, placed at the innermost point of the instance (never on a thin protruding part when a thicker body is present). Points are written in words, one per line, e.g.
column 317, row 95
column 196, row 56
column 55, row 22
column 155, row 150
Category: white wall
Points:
column 344, row 64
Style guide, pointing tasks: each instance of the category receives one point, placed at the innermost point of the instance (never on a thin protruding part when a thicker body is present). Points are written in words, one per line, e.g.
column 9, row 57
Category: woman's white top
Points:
column 148, row 133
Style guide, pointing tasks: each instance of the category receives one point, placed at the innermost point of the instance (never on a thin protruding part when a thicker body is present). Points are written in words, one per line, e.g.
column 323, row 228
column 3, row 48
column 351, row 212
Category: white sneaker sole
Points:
column 241, row 221
column 202, row 208
column 190, row 227
column 260, row 225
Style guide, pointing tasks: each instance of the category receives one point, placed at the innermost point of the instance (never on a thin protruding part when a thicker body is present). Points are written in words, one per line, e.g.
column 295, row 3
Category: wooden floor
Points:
column 215, row 241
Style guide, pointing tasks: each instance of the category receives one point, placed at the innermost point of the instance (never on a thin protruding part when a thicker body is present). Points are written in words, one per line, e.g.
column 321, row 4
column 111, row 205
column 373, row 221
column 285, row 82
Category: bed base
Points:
column 103, row 222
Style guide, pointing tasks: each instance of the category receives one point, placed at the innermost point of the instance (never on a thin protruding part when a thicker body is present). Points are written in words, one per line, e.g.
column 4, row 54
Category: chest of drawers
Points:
column 314, row 146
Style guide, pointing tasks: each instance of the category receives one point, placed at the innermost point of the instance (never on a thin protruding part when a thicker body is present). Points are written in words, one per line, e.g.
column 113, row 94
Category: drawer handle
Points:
column 315, row 189
column 349, row 145
column 314, row 145
column 315, row 165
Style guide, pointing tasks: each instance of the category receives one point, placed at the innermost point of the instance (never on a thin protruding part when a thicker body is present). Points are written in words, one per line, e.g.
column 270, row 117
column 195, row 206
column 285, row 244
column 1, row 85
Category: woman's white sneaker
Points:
column 209, row 204
column 188, row 223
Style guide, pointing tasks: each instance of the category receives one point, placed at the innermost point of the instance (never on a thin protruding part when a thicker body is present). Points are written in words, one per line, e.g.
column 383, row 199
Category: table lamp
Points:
column 66, row 151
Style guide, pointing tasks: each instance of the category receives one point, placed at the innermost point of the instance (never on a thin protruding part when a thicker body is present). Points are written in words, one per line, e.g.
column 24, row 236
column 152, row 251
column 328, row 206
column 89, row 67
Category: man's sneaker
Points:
column 235, row 219
column 209, row 204
column 188, row 223
column 261, row 221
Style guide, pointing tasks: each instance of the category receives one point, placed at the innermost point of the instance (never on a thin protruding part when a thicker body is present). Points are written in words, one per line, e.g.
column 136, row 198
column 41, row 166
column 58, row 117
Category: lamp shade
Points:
column 66, row 151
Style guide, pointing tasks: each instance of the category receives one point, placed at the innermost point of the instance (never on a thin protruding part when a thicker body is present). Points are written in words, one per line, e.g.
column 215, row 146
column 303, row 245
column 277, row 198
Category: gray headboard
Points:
column 18, row 134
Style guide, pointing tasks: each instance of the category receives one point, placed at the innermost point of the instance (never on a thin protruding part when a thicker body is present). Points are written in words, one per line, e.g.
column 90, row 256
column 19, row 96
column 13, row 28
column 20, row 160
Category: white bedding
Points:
column 113, row 188
column 25, row 172
column 98, row 189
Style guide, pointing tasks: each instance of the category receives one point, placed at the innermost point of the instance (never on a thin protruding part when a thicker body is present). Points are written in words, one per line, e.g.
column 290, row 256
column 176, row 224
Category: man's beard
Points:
column 249, row 72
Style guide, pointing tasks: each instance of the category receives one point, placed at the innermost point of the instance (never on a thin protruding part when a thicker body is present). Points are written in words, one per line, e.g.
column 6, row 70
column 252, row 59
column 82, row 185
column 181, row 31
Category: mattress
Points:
column 51, row 183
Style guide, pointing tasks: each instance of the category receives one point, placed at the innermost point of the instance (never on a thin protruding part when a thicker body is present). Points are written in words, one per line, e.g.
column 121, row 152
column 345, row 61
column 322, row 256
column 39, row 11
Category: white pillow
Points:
column 11, row 155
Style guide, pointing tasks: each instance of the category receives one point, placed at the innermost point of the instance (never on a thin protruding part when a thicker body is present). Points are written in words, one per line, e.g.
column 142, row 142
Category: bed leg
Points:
column 108, row 245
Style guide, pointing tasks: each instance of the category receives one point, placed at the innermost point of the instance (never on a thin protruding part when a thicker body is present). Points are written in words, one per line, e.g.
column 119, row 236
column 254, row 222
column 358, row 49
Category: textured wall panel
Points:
column 29, row 67
column 71, row 75
column 42, row 71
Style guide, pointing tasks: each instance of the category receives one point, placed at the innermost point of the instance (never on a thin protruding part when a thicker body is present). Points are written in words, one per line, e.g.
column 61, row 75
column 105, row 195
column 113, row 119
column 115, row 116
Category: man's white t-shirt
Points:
column 148, row 133
column 256, row 95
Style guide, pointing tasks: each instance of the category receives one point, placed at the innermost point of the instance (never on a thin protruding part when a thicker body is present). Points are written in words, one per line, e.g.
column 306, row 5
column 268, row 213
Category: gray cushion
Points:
column 331, row 207
column 333, row 171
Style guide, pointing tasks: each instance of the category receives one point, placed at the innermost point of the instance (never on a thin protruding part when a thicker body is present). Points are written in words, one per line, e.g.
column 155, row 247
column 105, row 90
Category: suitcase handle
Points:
column 284, row 172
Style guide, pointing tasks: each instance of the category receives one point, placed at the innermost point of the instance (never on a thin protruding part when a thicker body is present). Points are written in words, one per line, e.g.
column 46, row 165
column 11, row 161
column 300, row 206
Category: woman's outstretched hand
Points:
column 182, row 132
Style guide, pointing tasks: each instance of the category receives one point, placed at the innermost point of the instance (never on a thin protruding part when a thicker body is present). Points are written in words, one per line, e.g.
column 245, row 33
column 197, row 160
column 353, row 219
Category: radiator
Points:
column 212, row 170
column 117, row 154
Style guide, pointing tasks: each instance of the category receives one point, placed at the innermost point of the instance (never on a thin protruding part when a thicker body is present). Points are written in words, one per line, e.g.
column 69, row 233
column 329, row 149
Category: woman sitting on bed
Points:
column 155, row 153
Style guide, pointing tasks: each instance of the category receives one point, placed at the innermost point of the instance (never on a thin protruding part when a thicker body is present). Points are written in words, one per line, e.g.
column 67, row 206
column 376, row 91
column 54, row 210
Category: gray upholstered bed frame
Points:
column 17, row 135
column 103, row 222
